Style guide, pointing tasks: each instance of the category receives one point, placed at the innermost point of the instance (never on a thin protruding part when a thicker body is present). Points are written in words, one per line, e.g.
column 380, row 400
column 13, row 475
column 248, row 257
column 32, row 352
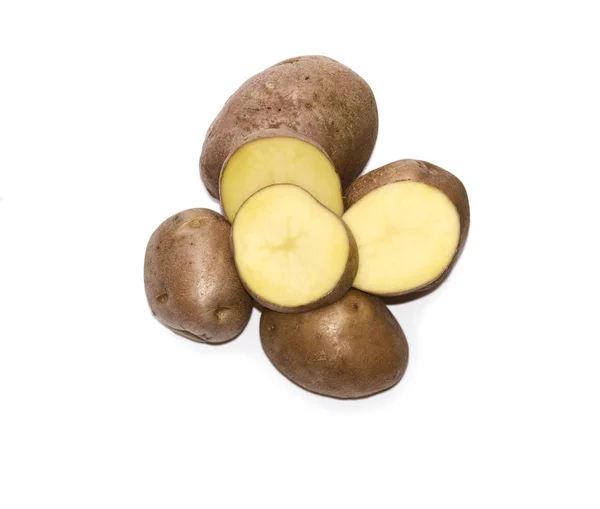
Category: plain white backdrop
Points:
column 103, row 110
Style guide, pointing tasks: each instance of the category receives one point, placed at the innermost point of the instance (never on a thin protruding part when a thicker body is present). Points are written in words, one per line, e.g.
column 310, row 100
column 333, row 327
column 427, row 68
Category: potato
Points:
column 410, row 220
column 349, row 349
column 326, row 115
column 191, row 283
column 291, row 252
column 270, row 157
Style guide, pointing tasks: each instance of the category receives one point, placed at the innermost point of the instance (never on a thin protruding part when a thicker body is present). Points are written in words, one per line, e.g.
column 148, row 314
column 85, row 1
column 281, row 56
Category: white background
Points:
column 103, row 110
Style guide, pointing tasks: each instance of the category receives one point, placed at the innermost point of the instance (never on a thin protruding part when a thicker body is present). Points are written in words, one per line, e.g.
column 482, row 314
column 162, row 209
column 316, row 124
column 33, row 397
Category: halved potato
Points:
column 410, row 220
column 271, row 157
column 292, row 253
column 313, row 98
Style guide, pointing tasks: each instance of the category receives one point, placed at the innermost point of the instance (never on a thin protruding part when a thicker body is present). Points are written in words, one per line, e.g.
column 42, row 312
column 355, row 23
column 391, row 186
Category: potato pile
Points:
column 313, row 245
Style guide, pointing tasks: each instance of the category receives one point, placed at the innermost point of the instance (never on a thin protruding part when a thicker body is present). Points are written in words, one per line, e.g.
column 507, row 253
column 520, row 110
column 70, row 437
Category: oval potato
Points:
column 190, row 278
column 349, row 349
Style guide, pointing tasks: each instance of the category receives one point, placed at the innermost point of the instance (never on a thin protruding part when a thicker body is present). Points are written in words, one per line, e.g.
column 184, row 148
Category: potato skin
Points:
column 343, row 285
column 314, row 96
column 350, row 349
column 190, row 278
column 427, row 173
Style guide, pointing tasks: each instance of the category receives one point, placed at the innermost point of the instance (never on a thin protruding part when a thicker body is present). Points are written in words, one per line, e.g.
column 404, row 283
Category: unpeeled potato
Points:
column 349, row 349
column 190, row 278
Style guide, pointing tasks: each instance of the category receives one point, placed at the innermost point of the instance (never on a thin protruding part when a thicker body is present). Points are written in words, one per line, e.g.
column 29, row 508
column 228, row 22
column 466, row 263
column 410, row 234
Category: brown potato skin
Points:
column 427, row 173
column 350, row 349
column 343, row 285
column 314, row 97
column 190, row 278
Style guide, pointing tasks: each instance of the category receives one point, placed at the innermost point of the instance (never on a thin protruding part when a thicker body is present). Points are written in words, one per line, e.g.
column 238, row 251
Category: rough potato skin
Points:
column 350, row 349
column 427, row 173
column 313, row 96
column 190, row 278
column 344, row 284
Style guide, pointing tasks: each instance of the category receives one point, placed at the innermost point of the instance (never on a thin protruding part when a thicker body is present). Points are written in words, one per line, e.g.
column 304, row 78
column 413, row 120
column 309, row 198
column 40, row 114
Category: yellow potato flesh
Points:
column 267, row 161
column 289, row 249
column 407, row 234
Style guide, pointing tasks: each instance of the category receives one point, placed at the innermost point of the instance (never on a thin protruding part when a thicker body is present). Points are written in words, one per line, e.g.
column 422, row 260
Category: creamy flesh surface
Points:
column 288, row 248
column 268, row 161
column 407, row 234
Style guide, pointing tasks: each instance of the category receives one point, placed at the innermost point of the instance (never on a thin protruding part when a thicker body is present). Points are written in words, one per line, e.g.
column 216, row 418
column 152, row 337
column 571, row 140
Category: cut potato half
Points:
column 279, row 160
column 291, row 252
column 312, row 98
column 409, row 220
column 406, row 232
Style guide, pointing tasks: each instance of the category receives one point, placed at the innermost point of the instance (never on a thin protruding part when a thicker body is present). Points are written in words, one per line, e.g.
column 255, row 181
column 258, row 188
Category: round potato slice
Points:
column 410, row 220
column 291, row 252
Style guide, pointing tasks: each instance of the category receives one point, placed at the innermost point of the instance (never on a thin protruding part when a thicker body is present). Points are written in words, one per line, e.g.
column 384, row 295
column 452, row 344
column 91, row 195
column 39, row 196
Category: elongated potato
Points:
column 190, row 279
column 349, row 349
column 291, row 252
column 308, row 121
column 410, row 220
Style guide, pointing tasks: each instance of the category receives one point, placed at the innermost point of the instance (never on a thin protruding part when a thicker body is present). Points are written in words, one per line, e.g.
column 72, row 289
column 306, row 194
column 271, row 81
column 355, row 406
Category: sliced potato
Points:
column 410, row 221
column 273, row 158
column 313, row 98
column 291, row 252
column 349, row 349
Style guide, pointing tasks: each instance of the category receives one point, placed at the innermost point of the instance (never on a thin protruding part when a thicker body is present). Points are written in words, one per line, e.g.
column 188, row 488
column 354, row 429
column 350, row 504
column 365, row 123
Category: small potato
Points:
column 191, row 282
column 349, row 349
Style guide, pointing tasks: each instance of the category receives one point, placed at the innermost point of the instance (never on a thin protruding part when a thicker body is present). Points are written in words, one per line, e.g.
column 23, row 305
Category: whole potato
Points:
column 314, row 98
column 190, row 278
column 349, row 349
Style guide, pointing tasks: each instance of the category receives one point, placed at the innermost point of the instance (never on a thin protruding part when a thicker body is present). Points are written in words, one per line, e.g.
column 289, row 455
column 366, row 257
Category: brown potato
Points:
column 291, row 252
column 313, row 98
column 190, row 278
column 410, row 220
column 350, row 349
